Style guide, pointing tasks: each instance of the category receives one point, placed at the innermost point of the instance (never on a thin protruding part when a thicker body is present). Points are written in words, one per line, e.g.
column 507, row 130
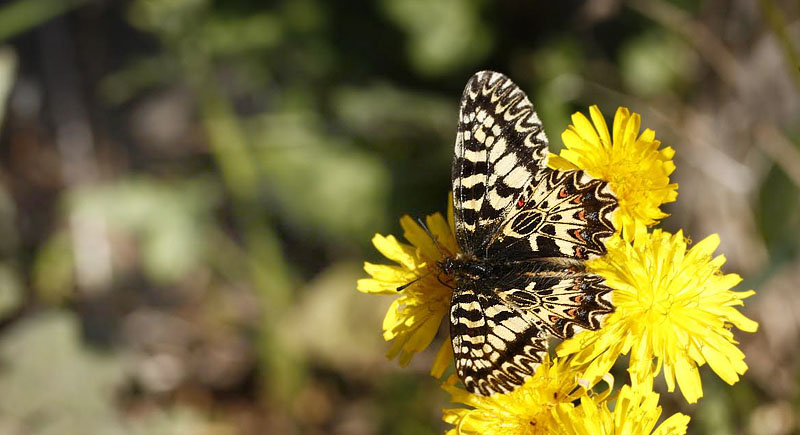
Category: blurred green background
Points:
column 188, row 189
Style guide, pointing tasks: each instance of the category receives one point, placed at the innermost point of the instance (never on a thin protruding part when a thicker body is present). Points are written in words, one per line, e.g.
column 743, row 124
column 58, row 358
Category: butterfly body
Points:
column 478, row 273
column 524, row 232
column 462, row 269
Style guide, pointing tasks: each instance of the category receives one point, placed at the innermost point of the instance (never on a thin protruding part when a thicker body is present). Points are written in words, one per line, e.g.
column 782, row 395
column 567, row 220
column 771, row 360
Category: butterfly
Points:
column 524, row 232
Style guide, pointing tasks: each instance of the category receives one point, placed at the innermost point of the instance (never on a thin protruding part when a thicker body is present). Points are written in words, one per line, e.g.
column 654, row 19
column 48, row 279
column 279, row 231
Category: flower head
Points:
column 636, row 412
column 637, row 170
column 545, row 404
column 524, row 411
column 673, row 305
column 414, row 317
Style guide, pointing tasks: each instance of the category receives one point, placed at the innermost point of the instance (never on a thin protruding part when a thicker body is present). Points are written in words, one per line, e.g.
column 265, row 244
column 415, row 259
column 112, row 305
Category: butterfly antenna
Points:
column 439, row 277
column 438, row 246
column 435, row 240
column 408, row 284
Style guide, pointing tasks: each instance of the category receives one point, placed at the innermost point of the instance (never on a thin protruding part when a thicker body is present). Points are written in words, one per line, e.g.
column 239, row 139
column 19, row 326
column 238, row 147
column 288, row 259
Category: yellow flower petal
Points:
column 560, row 163
column 688, row 378
column 676, row 424
column 443, row 359
column 418, row 237
column 600, row 123
column 386, row 279
column 396, row 251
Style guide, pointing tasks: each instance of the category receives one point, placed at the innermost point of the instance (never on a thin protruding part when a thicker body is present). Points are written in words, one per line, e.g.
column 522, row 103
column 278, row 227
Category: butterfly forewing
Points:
column 500, row 146
column 563, row 214
column 523, row 230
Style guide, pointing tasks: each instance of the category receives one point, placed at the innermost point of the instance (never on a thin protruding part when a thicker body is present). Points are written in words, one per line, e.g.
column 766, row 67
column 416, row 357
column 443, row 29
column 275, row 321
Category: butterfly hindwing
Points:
column 496, row 347
column 500, row 147
column 499, row 334
column 561, row 302
column 564, row 214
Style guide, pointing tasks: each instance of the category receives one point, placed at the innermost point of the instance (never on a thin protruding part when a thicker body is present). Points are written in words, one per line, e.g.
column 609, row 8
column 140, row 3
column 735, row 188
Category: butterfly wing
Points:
column 561, row 302
column 499, row 334
column 562, row 214
column 500, row 146
column 495, row 346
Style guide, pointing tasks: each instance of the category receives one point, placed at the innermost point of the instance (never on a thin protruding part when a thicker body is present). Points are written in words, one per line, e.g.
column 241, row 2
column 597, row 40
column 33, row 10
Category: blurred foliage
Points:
column 20, row 16
column 779, row 220
column 656, row 62
column 292, row 146
column 77, row 384
column 443, row 35
column 179, row 246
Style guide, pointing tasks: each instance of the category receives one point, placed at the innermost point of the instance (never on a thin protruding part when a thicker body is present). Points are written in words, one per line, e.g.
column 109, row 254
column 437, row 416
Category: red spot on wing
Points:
column 580, row 252
column 578, row 234
column 520, row 202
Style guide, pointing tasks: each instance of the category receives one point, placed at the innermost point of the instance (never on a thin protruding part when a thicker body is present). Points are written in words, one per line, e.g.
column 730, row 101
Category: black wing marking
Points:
column 564, row 214
column 500, row 146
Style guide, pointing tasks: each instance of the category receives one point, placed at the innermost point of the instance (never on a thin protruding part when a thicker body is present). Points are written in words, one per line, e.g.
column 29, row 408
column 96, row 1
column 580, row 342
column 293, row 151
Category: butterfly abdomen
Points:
column 466, row 269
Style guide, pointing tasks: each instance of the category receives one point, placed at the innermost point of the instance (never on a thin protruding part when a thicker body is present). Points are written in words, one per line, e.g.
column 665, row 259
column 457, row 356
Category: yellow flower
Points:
column 636, row 412
column 545, row 405
column 637, row 170
column 672, row 305
column 414, row 317
column 526, row 410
